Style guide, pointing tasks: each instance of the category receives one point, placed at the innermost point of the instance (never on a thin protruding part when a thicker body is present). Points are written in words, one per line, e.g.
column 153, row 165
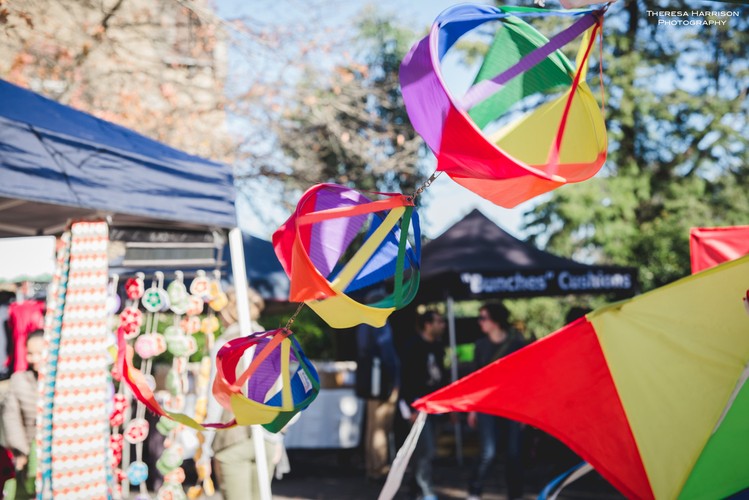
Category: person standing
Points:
column 377, row 374
column 19, row 415
column 233, row 449
column 422, row 372
column 499, row 341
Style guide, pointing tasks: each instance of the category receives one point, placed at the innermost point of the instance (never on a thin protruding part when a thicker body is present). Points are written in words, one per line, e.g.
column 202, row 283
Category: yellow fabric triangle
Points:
column 675, row 355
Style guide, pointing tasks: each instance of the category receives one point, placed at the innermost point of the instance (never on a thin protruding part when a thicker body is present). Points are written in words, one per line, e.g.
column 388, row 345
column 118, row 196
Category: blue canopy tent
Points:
column 58, row 164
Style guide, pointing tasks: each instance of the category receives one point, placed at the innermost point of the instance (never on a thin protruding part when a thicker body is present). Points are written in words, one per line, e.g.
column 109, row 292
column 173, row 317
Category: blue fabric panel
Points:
column 51, row 153
column 458, row 20
column 382, row 264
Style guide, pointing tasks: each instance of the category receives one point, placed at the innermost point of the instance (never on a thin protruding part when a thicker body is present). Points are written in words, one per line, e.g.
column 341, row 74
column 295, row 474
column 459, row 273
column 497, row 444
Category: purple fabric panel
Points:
column 266, row 374
column 330, row 238
column 424, row 93
column 486, row 88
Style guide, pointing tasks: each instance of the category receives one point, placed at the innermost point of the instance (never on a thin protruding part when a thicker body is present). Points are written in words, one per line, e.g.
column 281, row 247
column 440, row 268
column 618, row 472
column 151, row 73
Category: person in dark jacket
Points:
column 422, row 372
column 499, row 341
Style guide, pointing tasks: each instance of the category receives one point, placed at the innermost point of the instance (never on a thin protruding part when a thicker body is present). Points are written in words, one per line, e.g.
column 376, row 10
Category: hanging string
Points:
column 600, row 60
column 293, row 317
column 426, row 184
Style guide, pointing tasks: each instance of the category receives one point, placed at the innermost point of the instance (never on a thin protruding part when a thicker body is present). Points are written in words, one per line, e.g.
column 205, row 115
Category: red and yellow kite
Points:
column 650, row 391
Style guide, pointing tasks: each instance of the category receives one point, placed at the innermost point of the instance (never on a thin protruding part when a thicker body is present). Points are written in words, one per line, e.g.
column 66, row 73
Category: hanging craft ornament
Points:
column 137, row 472
column 131, row 319
column 190, row 324
column 218, row 299
column 136, row 430
column 179, row 298
column 116, row 443
column 155, row 299
column 150, row 345
column 255, row 396
column 194, row 305
column 200, row 286
column 561, row 141
column 113, row 300
column 315, row 243
column 134, row 287
column 264, row 402
column 119, row 408
column 209, row 325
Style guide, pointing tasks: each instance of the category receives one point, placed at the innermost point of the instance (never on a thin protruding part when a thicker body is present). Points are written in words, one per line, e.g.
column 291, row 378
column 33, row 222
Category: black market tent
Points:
column 58, row 163
column 476, row 259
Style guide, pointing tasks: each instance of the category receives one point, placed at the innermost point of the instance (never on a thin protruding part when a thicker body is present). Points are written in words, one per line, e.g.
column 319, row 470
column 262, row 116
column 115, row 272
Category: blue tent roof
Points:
column 52, row 154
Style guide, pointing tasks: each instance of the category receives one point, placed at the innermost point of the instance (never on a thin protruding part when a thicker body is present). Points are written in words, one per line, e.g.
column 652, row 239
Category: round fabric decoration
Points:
column 137, row 472
column 175, row 476
column 560, row 141
column 194, row 306
column 200, row 286
column 119, row 408
column 166, row 425
column 274, row 352
column 315, row 243
column 209, row 325
column 134, row 288
column 136, row 431
column 190, row 324
column 169, row 460
column 155, row 299
column 149, row 345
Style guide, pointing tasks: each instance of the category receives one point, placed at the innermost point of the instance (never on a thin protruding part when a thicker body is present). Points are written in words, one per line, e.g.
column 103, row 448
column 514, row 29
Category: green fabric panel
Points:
column 411, row 287
column 723, row 467
column 515, row 39
column 400, row 262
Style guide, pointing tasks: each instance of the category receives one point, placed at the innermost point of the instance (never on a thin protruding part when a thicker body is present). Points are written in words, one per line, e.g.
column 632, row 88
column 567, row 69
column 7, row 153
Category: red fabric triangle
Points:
column 464, row 151
column 561, row 385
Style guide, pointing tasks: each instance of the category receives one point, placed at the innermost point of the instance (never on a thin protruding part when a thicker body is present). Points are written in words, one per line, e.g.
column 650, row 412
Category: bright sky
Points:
column 448, row 202
column 27, row 257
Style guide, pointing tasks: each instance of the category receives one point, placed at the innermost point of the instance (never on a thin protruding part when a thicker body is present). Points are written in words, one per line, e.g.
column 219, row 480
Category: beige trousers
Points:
column 376, row 437
column 237, row 471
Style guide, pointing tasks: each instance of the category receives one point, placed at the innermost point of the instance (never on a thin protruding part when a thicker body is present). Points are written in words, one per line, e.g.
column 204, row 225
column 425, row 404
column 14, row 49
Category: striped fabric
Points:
column 48, row 371
column 73, row 420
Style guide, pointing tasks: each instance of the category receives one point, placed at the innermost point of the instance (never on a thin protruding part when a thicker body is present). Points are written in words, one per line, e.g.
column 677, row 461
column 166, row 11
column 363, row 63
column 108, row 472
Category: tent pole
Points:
column 454, row 372
column 236, row 248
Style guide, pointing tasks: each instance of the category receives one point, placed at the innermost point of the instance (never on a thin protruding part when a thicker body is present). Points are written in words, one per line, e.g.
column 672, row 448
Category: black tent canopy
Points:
column 476, row 259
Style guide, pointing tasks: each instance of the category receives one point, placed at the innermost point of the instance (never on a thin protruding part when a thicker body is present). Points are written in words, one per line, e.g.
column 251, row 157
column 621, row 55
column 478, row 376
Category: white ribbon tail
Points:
column 395, row 476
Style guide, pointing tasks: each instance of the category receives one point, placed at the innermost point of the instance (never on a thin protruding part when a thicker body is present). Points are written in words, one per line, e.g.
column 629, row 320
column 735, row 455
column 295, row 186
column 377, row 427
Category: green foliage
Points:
column 316, row 337
column 349, row 126
column 676, row 114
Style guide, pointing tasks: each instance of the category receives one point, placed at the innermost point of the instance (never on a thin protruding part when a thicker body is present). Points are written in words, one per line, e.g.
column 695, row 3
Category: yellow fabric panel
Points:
column 342, row 311
column 365, row 252
column 287, row 400
column 530, row 138
column 581, row 59
column 675, row 355
column 248, row 412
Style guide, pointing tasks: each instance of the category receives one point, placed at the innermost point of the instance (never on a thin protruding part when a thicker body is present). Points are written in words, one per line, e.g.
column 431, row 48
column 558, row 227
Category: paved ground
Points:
column 339, row 474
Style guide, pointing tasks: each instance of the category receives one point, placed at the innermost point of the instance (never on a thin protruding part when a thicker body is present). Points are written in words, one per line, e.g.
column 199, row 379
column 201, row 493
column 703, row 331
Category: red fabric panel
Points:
column 465, row 152
column 710, row 246
column 24, row 317
column 561, row 385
